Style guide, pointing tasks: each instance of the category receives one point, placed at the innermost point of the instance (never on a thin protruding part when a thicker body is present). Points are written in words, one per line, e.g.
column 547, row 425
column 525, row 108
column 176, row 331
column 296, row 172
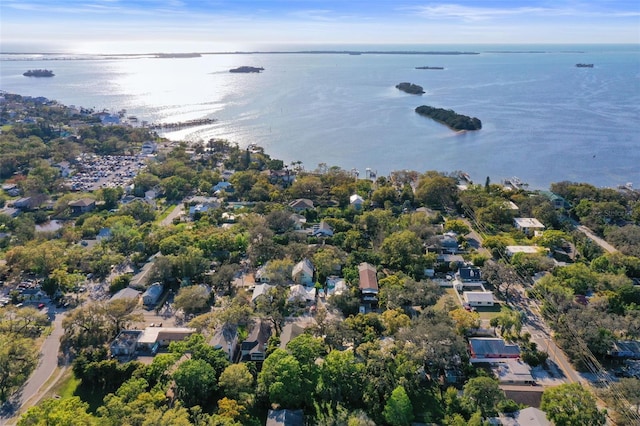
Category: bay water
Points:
column 544, row 119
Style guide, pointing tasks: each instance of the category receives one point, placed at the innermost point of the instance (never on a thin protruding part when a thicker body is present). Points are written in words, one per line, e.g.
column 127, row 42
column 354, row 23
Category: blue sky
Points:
column 120, row 26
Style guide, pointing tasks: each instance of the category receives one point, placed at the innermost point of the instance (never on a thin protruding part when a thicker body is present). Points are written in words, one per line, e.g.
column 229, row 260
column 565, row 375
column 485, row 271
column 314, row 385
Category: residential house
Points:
column 485, row 349
column 261, row 275
column 126, row 293
column 290, row 332
column 335, row 285
column 254, row 348
column 356, row 201
column 81, row 206
column 528, row 225
column 153, row 338
column 260, row 290
column 301, row 204
column 11, row 189
column 149, row 148
column 302, row 273
column 301, row 294
column 322, row 230
column 222, row 186
column 512, row 372
column 625, row 349
column 299, row 221
column 280, row 177
column 511, row 250
column 152, row 295
column 447, row 243
column 29, row 203
column 368, row 287
column 478, row 298
column 530, row 416
column 225, row 338
column 125, row 343
column 469, row 274
column 556, row 200
column 64, row 167
column 285, row 418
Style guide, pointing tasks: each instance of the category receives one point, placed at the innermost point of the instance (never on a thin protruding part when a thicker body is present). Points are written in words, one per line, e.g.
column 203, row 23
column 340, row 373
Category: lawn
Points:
column 69, row 386
column 449, row 293
column 166, row 212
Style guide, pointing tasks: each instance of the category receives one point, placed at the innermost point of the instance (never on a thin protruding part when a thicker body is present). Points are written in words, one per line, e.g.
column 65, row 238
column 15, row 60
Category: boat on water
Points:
column 245, row 69
column 429, row 68
column 38, row 73
column 584, row 65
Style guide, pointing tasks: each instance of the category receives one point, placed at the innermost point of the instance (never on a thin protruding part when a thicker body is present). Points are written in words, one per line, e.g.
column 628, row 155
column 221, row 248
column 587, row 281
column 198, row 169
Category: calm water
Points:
column 544, row 120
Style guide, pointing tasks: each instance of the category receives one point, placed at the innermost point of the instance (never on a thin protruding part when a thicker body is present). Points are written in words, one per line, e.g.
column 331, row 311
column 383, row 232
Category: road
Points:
column 599, row 241
column 176, row 212
column 30, row 392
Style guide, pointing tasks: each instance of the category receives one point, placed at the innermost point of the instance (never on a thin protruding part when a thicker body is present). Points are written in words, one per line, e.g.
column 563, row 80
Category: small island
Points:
column 450, row 118
column 246, row 69
column 584, row 65
column 429, row 68
column 410, row 88
column 178, row 55
column 39, row 73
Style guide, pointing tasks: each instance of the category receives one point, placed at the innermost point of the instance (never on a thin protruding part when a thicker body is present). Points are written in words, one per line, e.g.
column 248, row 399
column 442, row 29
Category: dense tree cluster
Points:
column 450, row 118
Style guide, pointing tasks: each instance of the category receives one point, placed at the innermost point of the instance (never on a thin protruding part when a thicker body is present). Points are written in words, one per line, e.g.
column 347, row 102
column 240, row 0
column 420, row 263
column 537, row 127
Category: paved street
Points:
column 602, row 243
column 30, row 392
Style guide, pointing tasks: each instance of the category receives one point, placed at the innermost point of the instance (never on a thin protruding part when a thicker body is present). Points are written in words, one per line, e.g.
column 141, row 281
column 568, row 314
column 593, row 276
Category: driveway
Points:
column 599, row 241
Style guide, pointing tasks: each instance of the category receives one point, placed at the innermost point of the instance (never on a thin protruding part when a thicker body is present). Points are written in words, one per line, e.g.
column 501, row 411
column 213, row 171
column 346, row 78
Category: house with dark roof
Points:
column 322, row 230
column 301, row 204
column 485, row 349
column 285, row 418
column 469, row 274
column 83, row 205
column 254, row 348
column 289, row 332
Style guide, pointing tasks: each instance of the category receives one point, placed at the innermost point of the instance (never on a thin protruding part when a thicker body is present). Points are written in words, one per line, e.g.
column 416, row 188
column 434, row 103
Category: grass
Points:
column 68, row 386
column 488, row 312
column 449, row 292
column 166, row 212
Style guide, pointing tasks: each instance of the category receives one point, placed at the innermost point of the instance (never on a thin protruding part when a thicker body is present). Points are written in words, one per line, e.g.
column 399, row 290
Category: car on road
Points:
column 41, row 305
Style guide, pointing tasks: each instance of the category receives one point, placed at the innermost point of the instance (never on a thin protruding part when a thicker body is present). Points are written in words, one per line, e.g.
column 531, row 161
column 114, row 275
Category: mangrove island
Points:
column 450, row 118
column 38, row 73
column 410, row 88
column 246, row 69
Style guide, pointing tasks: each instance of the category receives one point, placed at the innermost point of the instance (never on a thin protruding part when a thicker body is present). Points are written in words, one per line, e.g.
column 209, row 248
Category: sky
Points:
column 146, row 26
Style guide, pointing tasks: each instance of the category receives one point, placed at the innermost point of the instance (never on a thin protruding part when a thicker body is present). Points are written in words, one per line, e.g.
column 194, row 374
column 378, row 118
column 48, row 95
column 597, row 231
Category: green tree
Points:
column 192, row 299
column 484, row 394
column 403, row 251
column 60, row 412
column 571, row 405
column 398, row 410
column 237, row 381
column 195, row 382
column 18, row 358
column 280, row 380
